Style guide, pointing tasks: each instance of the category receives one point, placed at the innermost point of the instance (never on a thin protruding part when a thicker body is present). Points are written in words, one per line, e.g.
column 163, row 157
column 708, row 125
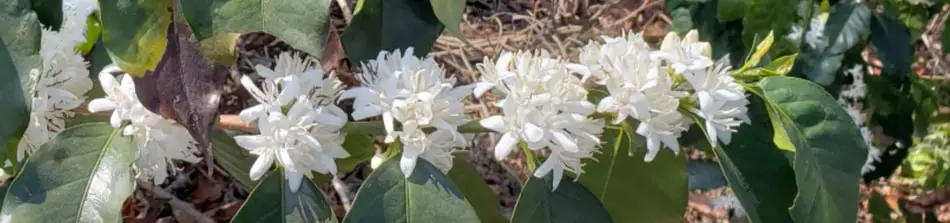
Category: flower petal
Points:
column 261, row 165
column 505, row 145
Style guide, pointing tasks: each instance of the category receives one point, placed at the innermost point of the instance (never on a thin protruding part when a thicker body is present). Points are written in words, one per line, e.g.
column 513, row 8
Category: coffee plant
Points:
column 102, row 97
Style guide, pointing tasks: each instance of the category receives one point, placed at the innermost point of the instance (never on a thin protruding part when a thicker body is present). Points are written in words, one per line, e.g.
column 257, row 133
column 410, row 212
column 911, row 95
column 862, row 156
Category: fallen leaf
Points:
column 185, row 86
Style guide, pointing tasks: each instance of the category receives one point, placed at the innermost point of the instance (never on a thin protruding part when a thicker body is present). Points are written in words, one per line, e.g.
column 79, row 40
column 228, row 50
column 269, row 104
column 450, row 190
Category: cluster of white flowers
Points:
column 416, row 93
column 851, row 97
column 58, row 85
column 300, row 126
column 159, row 140
column 546, row 105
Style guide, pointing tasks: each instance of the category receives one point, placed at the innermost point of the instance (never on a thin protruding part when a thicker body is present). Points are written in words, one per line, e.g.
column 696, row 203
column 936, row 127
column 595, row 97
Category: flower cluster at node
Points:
column 56, row 87
column 300, row 126
column 545, row 106
column 160, row 141
column 545, row 103
column 416, row 93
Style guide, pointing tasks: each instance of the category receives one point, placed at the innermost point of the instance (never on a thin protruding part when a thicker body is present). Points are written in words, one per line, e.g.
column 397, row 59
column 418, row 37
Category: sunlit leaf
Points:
column 425, row 196
column 829, row 149
column 273, row 201
column 134, row 32
column 631, row 189
column 302, row 24
column 84, row 174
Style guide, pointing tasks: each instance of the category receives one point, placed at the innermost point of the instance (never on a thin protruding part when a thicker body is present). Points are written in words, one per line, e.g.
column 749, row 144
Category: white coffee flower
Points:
column 685, row 54
column 159, row 141
column 545, row 107
column 120, row 95
column 290, row 78
column 56, row 87
column 641, row 88
column 414, row 92
column 722, row 101
column 302, row 141
column 595, row 59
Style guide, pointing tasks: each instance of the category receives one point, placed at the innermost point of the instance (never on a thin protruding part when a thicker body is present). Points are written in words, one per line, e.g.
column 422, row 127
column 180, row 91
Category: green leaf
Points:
column 83, row 174
column 273, row 201
column 571, row 202
column 633, row 190
column 232, row 158
column 780, row 136
column 766, row 16
column 50, row 12
column 19, row 53
column 730, row 10
column 426, row 196
column 782, row 65
column 134, row 32
column 476, row 191
column 757, row 171
column 892, row 41
column 360, row 147
column 390, row 25
column 449, row 12
column 93, row 30
column 301, row 23
column 682, row 20
column 844, row 29
column 760, row 50
column 829, row 149
column 945, row 37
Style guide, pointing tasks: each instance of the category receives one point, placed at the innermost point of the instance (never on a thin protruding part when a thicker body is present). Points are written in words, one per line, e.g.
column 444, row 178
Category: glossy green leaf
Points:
column 19, row 53
column 449, row 12
column 571, row 202
column 633, row 190
column 766, row 16
column 49, row 12
column 729, row 10
column 891, row 39
column 134, row 32
column 757, row 171
column 829, row 149
column 845, row 28
column 390, row 25
column 232, row 158
column 84, row 174
column 473, row 186
column 426, row 196
column 273, row 201
column 301, row 23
